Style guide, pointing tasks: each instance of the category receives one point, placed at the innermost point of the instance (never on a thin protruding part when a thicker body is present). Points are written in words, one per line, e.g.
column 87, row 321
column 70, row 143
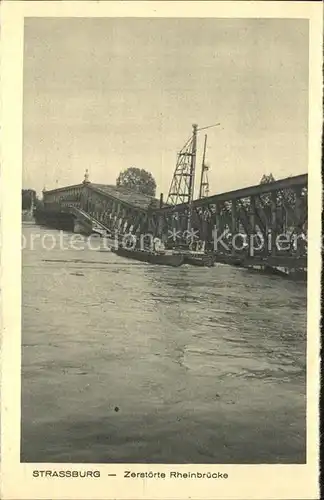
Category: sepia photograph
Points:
column 172, row 329
column 165, row 249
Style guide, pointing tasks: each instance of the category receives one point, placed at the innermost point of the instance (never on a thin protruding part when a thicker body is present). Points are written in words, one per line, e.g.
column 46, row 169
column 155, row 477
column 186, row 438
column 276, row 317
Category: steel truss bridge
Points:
column 264, row 225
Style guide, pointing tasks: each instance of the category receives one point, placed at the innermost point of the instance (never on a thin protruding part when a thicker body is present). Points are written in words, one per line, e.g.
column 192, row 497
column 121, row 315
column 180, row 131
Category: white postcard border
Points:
column 244, row 481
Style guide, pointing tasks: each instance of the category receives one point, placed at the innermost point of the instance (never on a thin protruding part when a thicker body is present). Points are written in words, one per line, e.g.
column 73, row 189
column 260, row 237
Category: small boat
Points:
column 200, row 259
column 152, row 257
column 196, row 258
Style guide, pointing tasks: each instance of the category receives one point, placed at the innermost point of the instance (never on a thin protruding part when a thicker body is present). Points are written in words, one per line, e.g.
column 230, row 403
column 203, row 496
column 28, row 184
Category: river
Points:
column 127, row 362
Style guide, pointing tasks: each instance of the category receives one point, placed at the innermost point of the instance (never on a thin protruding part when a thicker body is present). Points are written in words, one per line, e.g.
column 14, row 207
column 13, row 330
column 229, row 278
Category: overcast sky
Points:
column 108, row 94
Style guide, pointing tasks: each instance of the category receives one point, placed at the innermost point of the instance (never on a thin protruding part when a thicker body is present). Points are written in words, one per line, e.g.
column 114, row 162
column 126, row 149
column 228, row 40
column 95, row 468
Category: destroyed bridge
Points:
column 265, row 224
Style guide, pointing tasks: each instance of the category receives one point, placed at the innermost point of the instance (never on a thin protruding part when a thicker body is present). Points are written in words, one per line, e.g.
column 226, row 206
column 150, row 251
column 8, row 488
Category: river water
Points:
column 128, row 362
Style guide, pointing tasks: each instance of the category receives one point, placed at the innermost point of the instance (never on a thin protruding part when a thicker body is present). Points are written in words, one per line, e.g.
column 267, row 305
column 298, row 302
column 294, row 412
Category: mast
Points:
column 204, row 183
column 192, row 175
column 203, row 168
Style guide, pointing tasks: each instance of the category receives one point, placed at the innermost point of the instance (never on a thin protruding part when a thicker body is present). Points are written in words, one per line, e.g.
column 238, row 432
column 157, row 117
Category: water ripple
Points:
column 204, row 365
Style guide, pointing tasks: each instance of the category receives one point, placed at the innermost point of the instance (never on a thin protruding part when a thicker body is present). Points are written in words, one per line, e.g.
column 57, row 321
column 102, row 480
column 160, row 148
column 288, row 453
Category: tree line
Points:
column 29, row 198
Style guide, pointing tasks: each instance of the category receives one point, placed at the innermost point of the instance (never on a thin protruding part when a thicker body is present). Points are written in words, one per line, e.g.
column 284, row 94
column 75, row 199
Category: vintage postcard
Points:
column 160, row 249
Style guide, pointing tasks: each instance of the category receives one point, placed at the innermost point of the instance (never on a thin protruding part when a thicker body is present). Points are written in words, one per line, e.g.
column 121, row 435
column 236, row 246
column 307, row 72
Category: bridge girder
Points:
column 265, row 209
